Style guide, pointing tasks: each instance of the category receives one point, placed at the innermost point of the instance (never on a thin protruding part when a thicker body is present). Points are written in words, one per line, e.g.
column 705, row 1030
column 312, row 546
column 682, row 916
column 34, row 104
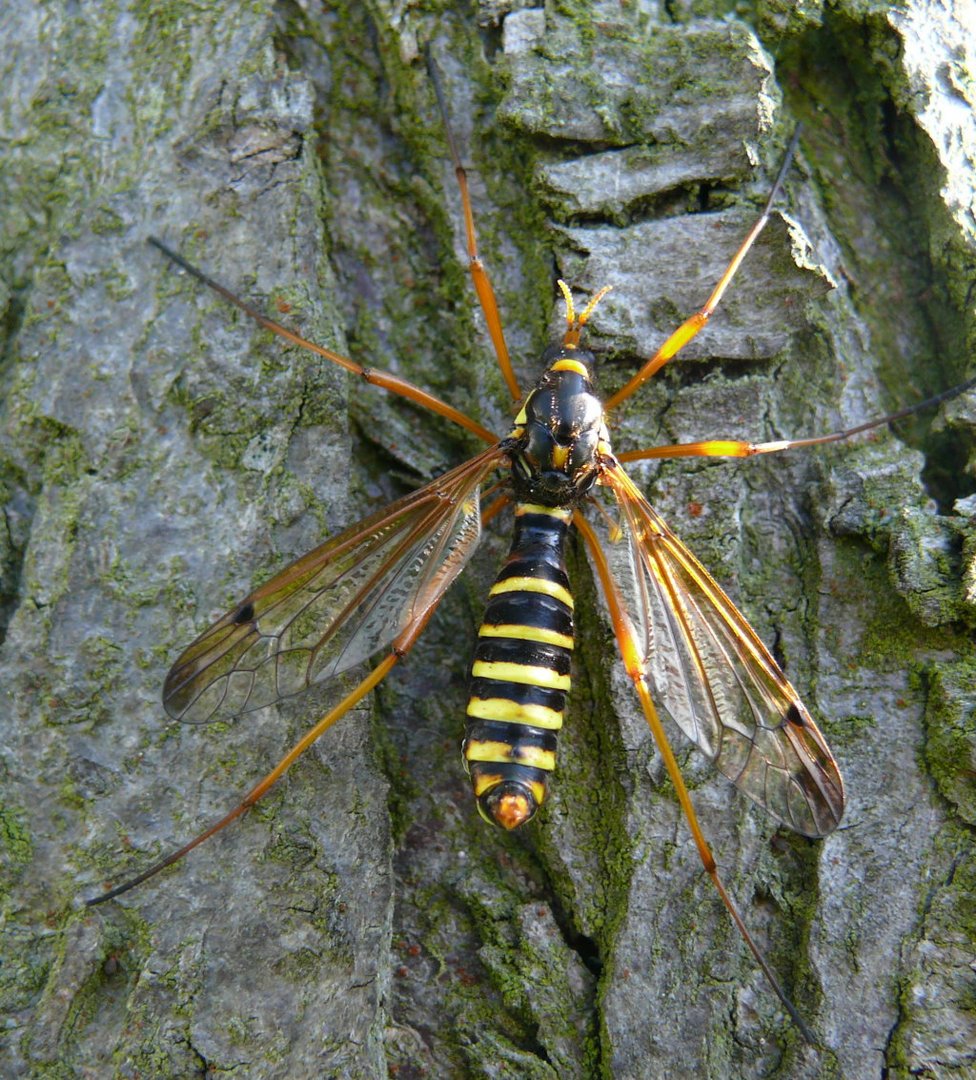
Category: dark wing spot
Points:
column 244, row 614
column 794, row 716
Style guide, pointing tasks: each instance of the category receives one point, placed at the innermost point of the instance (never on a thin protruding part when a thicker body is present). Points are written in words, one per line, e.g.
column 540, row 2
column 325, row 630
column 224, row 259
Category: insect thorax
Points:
column 559, row 432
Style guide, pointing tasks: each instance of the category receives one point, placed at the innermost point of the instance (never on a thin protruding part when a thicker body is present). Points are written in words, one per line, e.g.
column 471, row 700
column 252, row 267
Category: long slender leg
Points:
column 401, row 646
column 690, row 327
column 383, row 379
column 479, row 275
column 260, row 789
column 633, row 664
column 738, row 448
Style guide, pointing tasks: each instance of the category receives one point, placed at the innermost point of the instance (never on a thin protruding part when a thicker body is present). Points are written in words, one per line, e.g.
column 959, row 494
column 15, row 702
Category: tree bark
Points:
column 159, row 454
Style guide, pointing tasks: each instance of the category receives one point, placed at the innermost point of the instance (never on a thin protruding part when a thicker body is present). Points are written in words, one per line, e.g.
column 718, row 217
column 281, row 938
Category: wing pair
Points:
column 364, row 589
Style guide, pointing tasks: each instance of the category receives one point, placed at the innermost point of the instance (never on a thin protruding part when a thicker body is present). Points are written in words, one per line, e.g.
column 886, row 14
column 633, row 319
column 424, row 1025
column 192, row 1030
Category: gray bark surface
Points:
column 159, row 454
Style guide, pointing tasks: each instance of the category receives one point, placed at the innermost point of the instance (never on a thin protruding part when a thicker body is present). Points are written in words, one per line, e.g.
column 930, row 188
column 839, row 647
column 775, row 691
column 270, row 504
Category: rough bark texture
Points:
column 158, row 454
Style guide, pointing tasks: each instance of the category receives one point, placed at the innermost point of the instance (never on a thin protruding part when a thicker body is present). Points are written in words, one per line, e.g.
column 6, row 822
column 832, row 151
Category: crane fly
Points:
column 685, row 647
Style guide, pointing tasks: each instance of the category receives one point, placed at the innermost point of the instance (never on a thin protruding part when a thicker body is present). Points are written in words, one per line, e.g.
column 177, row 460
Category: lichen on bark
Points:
column 158, row 454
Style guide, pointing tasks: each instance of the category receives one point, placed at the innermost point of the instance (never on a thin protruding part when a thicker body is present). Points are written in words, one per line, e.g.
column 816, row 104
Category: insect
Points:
column 373, row 588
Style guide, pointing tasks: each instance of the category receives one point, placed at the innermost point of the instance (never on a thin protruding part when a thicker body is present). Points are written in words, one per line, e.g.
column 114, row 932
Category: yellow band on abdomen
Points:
column 533, row 585
column 512, row 712
column 505, row 671
column 526, row 633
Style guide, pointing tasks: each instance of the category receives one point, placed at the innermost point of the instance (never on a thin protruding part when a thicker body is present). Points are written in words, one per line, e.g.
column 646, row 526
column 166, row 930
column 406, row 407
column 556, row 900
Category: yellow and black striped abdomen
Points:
column 521, row 671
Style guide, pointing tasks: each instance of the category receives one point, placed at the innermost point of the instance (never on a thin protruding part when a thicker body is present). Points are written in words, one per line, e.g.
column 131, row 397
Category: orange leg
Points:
column 690, row 327
column 479, row 275
column 738, row 448
column 401, row 646
column 263, row 786
column 383, row 379
column 633, row 664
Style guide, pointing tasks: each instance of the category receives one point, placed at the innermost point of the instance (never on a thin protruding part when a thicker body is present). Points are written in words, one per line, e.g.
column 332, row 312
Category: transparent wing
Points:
column 336, row 606
column 712, row 675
